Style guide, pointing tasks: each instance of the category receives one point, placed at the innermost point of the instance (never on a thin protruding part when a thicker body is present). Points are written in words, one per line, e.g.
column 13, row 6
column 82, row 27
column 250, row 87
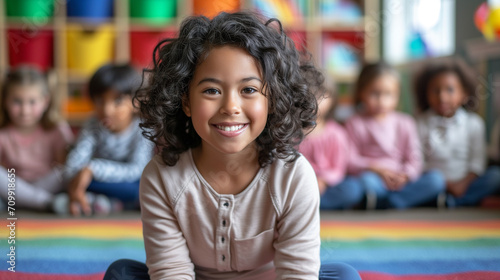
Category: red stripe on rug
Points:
column 38, row 276
column 471, row 275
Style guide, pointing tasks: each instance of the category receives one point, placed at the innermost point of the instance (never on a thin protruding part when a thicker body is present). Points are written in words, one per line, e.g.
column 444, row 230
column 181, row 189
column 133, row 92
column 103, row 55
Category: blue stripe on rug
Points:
column 410, row 254
column 428, row 267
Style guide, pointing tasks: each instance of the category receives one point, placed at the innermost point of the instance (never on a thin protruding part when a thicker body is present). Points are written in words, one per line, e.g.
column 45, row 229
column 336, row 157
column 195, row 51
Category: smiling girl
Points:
column 229, row 197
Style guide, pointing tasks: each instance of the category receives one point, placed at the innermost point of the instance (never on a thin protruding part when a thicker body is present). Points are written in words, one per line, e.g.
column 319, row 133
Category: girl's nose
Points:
column 107, row 109
column 231, row 104
column 26, row 108
column 442, row 95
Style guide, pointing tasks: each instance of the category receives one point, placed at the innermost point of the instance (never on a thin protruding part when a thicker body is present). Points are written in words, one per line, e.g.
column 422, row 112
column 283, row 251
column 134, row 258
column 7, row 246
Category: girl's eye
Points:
column 249, row 90
column 118, row 101
column 211, row 91
column 449, row 89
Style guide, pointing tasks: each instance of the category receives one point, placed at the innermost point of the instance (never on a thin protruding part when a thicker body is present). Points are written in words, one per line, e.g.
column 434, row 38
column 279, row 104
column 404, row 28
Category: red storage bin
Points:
column 31, row 47
column 143, row 43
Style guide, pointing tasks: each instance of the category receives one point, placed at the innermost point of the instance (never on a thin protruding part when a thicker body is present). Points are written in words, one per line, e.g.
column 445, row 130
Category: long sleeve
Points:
column 357, row 162
column 63, row 139
column 82, row 152
column 166, row 249
column 105, row 170
column 477, row 145
column 412, row 153
column 328, row 153
column 340, row 158
column 297, row 246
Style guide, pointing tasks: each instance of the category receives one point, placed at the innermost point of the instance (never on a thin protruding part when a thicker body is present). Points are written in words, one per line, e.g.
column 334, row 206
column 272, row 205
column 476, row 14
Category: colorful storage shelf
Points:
column 88, row 49
column 75, row 37
column 154, row 12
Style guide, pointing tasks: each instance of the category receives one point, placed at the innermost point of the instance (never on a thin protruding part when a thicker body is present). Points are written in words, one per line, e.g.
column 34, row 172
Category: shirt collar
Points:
column 457, row 119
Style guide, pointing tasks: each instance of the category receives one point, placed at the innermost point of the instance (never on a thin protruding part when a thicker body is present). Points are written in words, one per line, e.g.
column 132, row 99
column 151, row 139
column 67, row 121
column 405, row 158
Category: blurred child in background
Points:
column 110, row 152
column 452, row 135
column 385, row 150
column 33, row 140
column 494, row 148
column 327, row 149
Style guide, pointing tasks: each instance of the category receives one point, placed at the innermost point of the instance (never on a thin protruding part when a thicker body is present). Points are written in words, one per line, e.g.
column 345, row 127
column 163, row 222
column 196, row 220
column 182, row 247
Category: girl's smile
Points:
column 231, row 130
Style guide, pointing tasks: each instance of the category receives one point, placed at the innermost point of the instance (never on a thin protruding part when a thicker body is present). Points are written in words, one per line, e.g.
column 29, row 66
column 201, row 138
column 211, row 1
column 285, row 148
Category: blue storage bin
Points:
column 90, row 10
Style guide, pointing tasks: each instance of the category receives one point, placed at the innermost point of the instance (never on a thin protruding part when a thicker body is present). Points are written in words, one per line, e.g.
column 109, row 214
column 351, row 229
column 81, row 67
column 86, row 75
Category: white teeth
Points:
column 230, row 128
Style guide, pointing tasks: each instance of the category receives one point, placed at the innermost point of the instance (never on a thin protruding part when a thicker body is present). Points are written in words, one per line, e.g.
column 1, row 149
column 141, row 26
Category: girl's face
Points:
column 381, row 96
column 445, row 94
column 25, row 105
column 114, row 110
column 226, row 105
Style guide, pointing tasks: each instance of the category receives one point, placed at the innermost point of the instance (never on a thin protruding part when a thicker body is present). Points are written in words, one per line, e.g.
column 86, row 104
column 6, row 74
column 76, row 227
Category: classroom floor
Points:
column 461, row 214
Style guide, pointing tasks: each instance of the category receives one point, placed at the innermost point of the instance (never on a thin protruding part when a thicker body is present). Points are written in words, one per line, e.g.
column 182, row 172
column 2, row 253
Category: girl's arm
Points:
column 338, row 158
column 298, row 242
column 412, row 153
column 64, row 139
column 104, row 170
column 477, row 145
column 167, row 254
column 79, row 157
column 357, row 162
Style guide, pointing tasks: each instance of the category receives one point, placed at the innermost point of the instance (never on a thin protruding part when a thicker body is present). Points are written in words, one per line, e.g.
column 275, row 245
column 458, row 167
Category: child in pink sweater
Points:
column 327, row 150
column 33, row 141
column 385, row 150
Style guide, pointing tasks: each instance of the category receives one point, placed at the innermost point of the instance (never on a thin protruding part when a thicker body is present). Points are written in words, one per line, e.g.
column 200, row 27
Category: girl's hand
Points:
column 458, row 188
column 401, row 180
column 393, row 181
column 77, row 198
column 322, row 186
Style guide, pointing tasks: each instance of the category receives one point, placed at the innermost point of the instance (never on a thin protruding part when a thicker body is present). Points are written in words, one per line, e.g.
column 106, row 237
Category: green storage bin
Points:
column 153, row 11
column 36, row 9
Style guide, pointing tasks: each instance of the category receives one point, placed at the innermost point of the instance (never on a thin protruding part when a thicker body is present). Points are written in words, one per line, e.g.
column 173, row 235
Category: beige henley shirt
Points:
column 268, row 231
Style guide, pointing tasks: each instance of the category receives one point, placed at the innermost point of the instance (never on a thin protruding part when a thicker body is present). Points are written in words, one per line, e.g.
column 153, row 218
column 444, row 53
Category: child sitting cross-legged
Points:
column 110, row 153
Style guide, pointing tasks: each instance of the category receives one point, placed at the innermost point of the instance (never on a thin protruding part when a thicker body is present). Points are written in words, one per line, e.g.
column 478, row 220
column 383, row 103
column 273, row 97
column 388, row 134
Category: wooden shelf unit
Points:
column 314, row 28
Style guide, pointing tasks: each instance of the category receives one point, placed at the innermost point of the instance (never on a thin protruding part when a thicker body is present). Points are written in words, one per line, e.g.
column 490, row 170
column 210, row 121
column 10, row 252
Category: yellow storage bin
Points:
column 88, row 49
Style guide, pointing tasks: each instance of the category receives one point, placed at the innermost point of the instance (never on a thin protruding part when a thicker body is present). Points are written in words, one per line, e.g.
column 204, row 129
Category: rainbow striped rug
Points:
column 381, row 250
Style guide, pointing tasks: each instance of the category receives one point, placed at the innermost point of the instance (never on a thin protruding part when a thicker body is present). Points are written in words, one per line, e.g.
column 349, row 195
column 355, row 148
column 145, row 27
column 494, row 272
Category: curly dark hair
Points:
column 432, row 70
column 289, row 78
column 368, row 74
column 123, row 78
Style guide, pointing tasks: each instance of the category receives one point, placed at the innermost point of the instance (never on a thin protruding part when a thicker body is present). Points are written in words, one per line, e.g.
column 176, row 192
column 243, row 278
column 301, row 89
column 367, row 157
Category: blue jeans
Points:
column 416, row 193
column 345, row 195
column 130, row 269
column 484, row 185
column 127, row 192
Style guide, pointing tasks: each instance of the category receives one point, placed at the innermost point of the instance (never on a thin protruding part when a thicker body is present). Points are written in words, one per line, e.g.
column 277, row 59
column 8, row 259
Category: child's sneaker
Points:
column 445, row 200
column 441, row 200
column 60, row 204
column 371, row 201
column 100, row 204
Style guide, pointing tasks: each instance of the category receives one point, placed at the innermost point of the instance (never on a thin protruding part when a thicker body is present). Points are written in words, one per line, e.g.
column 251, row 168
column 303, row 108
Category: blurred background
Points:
column 70, row 39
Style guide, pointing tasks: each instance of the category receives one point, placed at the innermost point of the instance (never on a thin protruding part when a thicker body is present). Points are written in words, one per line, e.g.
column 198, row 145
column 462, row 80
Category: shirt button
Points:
column 223, row 258
column 223, row 239
column 224, row 223
column 226, row 204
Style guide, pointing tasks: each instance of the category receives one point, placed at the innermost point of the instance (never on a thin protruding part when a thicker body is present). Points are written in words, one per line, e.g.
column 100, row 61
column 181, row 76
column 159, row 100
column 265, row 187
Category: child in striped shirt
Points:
column 110, row 152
